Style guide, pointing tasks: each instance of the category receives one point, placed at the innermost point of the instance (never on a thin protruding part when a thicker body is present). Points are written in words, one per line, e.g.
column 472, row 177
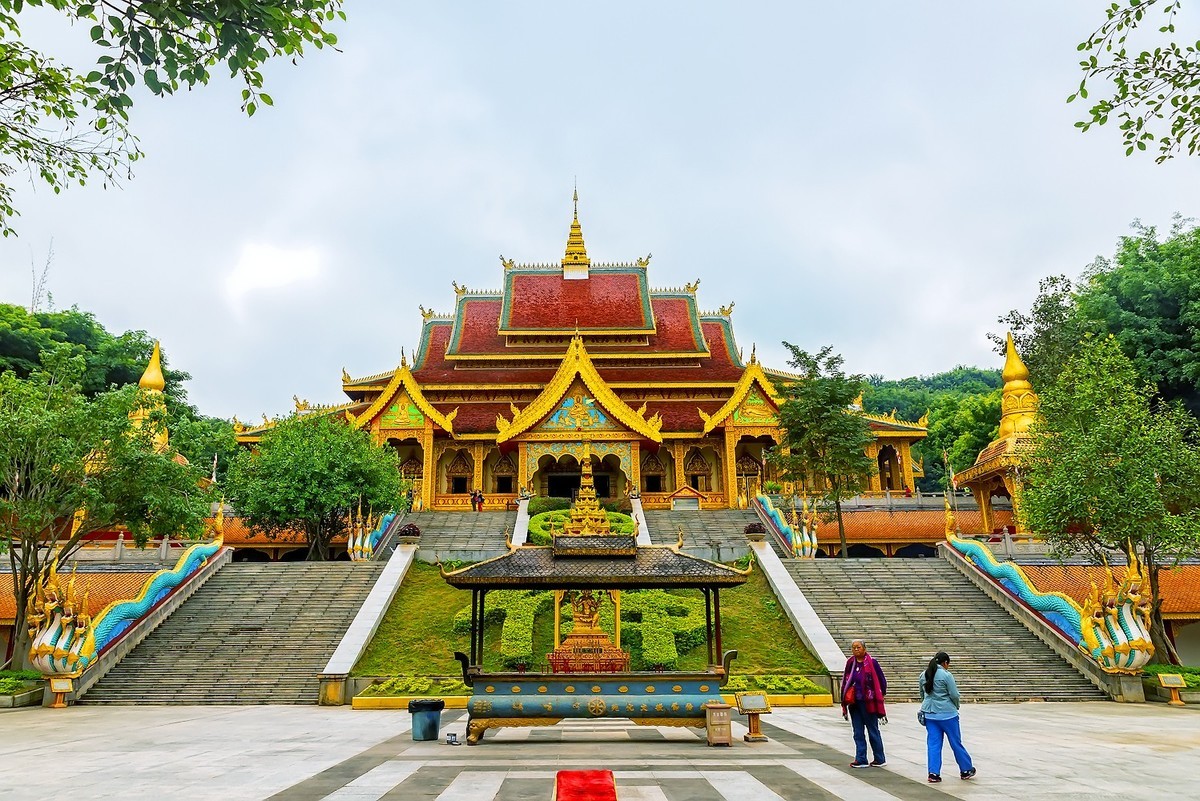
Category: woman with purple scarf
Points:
column 863, row 691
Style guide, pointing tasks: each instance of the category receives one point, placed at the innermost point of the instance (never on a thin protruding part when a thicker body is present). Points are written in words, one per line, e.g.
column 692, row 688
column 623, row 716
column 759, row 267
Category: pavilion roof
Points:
column 654, row 566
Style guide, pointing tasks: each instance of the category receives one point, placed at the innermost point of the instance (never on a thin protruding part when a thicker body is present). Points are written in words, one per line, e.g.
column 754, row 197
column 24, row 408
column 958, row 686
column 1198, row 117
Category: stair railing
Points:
column 759, row 505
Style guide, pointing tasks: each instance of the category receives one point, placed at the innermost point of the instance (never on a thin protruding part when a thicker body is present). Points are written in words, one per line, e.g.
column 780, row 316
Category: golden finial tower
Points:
column 1020, row 403
column 152, row 383
column 575, row 261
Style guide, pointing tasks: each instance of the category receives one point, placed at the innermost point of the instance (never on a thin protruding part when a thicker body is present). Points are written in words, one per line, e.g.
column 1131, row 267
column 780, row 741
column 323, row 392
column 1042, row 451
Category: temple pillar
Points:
column 477, row 456
column 906, row 463
column 983, row 497
column 730, row 472
column 873, row 452
column 635, row 464
column 428, row 467
column 678, row 450
column 522, row 470
column 558, row 596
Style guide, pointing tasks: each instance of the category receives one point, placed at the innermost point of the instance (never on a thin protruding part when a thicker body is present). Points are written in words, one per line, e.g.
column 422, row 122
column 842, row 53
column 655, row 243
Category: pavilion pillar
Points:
column 906, row 464
column 635, row 467
column 708, row 626
column 983, row 497
column 873, row 452
column 616, row 598
column 558, row 596
column 716, row 594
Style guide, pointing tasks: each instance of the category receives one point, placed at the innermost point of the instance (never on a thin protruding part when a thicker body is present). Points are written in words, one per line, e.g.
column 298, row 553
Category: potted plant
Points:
column 409, row 534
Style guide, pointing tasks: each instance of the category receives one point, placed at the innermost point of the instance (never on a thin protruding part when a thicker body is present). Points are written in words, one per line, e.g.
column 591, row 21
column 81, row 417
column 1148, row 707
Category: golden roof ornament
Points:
column 754, row 353
column 507, row 264
column 403, row 359
column 576, row 253
column 726, row 310
column 692, row 287
column 345, row 376
column 1019, row 402
column 426, row 314
column 301, row 405
column 459, row 291
column 644, row 261
column 152, row 380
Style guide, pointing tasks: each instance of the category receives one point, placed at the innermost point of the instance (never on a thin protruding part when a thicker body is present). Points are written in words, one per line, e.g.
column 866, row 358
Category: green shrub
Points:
column 517, row 609
column 539, row 525
column 419, row 686
column 543, row 504
column 1191, row 675
column 775, row 684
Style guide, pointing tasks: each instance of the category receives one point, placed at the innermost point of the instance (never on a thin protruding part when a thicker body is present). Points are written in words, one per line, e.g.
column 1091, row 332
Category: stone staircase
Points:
column 255, row 633
column 717, row 534
column 909, row 609
column 463, row 531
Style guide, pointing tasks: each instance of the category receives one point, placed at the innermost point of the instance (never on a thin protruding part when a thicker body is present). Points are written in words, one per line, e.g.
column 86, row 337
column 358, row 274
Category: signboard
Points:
column 61, row 685
column 1171, row 680
column 756, row 703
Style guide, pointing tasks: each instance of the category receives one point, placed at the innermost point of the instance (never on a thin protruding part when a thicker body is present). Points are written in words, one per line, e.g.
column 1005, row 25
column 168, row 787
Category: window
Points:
column 458, row 485
column 654, row 483
column 504, row 484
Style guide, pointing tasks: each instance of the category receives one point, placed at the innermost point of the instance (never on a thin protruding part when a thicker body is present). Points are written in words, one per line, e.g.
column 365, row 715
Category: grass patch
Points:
column 773, row 684
column 1191, row 675
column 17, row 681
column 416, row 637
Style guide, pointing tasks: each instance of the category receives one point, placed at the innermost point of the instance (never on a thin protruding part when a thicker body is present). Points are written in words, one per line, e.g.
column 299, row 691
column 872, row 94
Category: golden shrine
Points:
column 499, row 391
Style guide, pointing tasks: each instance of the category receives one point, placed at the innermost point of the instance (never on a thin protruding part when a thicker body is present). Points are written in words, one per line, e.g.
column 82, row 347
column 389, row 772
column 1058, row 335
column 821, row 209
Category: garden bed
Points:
column 20, row 688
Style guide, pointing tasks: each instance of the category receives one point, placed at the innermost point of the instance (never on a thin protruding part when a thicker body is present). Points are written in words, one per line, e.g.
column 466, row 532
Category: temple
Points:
column 499, row 391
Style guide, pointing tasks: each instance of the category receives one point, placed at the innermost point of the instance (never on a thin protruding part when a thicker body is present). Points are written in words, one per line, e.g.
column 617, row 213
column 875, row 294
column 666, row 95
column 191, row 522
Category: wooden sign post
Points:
column 752, row 705
column 1173, row 682
column 60, row 686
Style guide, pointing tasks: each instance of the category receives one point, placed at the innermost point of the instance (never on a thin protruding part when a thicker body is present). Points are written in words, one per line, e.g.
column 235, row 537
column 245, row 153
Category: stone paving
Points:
column 1032, row 752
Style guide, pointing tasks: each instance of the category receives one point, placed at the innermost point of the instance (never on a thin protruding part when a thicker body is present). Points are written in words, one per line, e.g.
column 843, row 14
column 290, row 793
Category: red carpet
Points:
column 585, row 785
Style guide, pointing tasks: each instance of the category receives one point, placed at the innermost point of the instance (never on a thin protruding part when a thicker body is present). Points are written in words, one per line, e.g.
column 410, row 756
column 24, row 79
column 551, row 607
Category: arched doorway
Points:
column 658, row 472
column 411, row 457
column 891, row 478
column 861, row 551
column 915, row 550
column 456, row 471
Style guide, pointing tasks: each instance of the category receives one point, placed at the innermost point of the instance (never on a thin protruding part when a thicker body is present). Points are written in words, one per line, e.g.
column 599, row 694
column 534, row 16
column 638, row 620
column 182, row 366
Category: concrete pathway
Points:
column 1032, row 752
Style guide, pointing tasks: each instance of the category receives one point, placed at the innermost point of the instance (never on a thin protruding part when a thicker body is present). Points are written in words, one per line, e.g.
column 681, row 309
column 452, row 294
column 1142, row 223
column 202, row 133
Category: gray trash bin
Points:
column 426, row 717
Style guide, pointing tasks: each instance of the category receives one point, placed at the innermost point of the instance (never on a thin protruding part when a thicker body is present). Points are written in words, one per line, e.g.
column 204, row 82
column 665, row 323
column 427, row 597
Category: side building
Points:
column 502, row 392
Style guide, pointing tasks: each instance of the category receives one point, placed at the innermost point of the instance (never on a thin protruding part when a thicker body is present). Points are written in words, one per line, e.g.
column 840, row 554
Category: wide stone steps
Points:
column 908, row 609
column 255, row 633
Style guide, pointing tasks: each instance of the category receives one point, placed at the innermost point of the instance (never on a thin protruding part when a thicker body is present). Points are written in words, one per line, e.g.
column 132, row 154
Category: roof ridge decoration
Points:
column 751, row 375
column 403, row 378
column 891, row 419
column 576, row 255
column 577, row 363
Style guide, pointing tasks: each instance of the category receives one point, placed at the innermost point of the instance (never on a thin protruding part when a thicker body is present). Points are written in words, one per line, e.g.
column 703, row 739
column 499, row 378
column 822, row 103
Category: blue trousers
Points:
column 865, row 725
column 934, row 732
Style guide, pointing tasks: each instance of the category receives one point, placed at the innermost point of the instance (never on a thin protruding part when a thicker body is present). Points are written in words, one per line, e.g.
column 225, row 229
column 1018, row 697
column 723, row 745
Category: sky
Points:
column 884, row 178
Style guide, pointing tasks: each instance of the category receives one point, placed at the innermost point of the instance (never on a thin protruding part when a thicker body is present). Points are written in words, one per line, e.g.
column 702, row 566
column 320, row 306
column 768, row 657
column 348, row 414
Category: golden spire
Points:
column 152, row 379
column 1020, row 402
column 576, row 255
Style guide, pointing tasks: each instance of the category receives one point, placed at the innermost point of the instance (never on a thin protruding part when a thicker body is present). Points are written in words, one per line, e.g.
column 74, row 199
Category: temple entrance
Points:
column 890, row 475
column 560, row 485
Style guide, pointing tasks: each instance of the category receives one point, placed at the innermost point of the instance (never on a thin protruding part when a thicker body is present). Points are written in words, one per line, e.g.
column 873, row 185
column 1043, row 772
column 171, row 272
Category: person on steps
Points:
column 939, row 707
column 863, row 689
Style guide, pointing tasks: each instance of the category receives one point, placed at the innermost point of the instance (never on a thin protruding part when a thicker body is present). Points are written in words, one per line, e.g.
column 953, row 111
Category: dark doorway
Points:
column 602, row 485
column 916, row 550
column 562, row 486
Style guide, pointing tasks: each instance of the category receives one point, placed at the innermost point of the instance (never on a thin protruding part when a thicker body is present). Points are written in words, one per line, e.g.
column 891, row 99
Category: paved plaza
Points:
column 1023, row 751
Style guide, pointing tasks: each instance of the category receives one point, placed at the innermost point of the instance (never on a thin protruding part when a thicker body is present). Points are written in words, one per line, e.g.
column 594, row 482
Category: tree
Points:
column 66, row 126
column 1154, row 85
column 825, row 441
column 71, row 465
column 310, row 474
column 1148, row 297
column 1109, row 471
column 1047, row 335
column 960, row 426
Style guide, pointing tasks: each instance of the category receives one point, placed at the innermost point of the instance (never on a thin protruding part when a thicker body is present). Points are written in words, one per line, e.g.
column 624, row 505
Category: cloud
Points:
column 263, row 266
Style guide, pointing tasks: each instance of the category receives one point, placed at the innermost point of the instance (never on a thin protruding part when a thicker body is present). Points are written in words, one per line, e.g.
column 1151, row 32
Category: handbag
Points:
column 921, row 717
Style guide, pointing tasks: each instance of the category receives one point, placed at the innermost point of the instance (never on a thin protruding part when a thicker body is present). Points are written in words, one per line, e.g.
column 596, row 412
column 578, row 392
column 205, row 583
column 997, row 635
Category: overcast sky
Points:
column 886, row 178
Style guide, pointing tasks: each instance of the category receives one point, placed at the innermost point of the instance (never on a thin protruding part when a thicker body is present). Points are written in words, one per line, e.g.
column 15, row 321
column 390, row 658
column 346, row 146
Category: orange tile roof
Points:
column 907, row 525
column 1179, row 586
column 238, row 534
column 104, row 588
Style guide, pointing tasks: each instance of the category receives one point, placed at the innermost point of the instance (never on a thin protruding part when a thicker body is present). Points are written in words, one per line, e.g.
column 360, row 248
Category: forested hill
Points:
column 964, row 414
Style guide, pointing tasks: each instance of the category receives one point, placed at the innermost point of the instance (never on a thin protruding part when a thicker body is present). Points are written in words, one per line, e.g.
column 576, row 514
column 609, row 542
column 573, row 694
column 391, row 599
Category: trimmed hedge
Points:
column 517, row 609
column 418, row 685
column 539, row 525
column 543, row 504
column 778, row 684
column 1191, row 675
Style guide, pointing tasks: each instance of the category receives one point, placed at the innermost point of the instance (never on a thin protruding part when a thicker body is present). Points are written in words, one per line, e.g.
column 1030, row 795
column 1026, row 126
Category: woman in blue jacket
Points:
column 939, row 707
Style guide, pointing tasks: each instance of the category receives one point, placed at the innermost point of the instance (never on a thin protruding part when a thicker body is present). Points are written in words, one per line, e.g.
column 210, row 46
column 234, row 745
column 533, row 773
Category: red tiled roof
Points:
column 909, row 525
column 681, row 416
column 239, row 535
column 476, row 331
column 103, row 589
column 603, row 301
column 1179, row 586
column 719, row 366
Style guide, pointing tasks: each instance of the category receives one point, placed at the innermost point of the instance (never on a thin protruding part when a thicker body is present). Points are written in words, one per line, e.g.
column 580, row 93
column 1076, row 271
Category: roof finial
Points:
column 575, row 261
column 403, row 358
column 1019, row 402
column 753, row 352
column 153, row 379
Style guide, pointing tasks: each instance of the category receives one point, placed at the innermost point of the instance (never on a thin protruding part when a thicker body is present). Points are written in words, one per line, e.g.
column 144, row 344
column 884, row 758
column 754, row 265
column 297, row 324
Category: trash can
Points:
column 426, row 717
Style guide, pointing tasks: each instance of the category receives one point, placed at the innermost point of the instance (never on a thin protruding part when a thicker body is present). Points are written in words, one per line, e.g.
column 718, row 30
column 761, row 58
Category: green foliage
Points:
column 1046, row 336
column 546, row 504
column 539, row 525
column 61, row 451
column 777, row 684
column 434, row 686
column 66, row 125
column 515, row 611
column 309, row 474
column 1191, row 675
column 16, row 681
column 1154, row 89
column 1109, row 471
column 825, row 441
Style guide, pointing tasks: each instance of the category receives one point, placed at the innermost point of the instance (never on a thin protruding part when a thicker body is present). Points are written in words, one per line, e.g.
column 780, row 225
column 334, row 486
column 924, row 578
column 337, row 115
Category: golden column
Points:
column 477, row 456
column 428, row 466
column 731, row 488
column 906, row 455
column 523, row 476
column 678, row 450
